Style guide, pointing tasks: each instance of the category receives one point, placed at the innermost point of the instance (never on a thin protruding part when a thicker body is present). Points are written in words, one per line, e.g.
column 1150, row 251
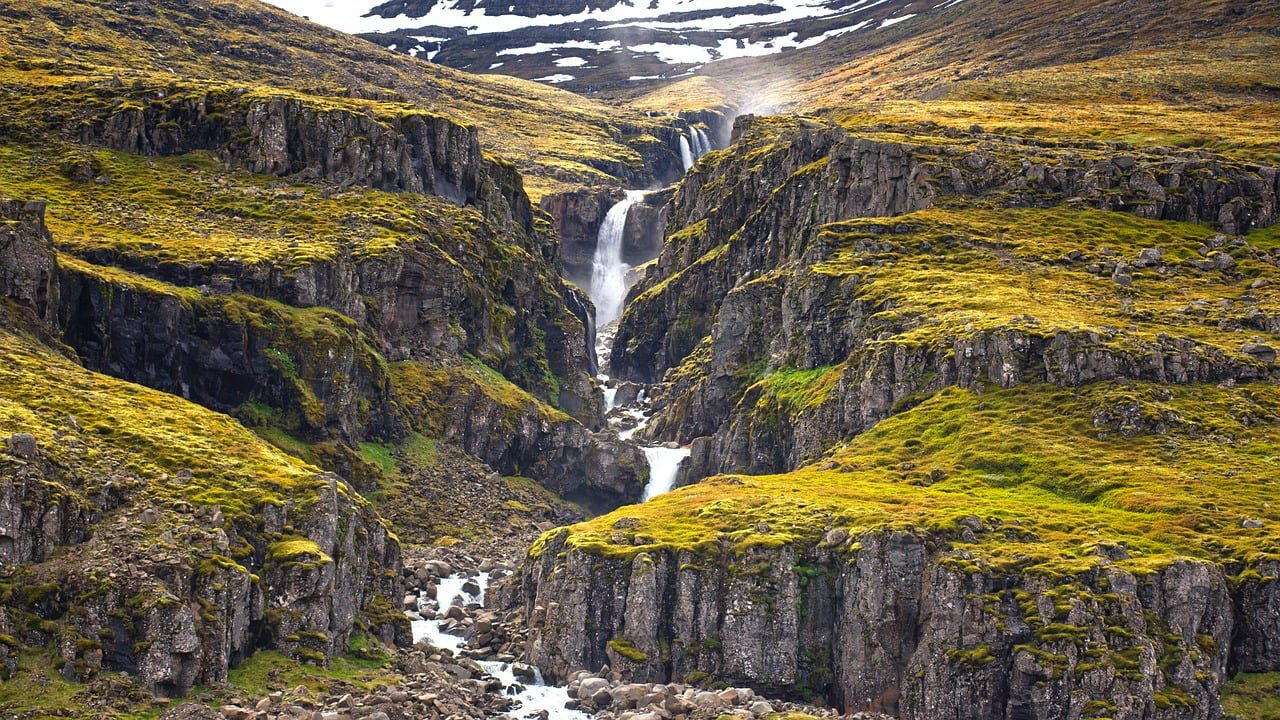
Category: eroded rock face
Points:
column 739, row 284
column 28, row 263
column 883, row 623
column 417, row 152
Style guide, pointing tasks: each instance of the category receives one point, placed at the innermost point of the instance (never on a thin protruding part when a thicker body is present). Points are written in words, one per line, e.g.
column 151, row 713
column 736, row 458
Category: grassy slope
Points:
column 1035, row 455
column 70, row 48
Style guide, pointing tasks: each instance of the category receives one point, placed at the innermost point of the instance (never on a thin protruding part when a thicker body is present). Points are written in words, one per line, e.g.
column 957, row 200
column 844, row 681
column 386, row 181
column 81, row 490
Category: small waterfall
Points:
column 701, row 143
column 608, row 272
column 664, row 465
column 686, row 155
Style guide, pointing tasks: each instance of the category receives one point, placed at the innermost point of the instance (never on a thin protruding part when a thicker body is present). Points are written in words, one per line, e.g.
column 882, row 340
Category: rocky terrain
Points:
column 972, row 356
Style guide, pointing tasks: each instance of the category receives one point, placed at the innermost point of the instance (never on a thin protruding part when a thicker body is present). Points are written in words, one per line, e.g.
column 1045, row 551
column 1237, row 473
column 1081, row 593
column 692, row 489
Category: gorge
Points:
column 924, row 371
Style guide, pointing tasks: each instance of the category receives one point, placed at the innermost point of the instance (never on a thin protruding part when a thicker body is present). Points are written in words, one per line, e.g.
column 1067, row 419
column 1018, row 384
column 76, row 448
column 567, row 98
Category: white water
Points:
column 608, row 272
column 701, row 143
column 686, row 155
column 533, row 697
column 664, row 464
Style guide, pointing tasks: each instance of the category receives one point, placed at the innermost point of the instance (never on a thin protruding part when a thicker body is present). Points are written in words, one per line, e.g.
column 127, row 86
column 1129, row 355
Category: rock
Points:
column 760, row 707
column 191, row 711
column 1265, row 353
column 835, row 537
column 28, row 262
column 709, row 701
column 23, row 445
column 1149, row 257
column 602, row 698
column 1251, row 523
column 524, row 671
column 590, row 686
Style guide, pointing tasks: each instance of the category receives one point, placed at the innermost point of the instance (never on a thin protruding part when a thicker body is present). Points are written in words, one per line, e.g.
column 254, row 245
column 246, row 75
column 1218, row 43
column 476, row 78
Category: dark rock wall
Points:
column 883, row 622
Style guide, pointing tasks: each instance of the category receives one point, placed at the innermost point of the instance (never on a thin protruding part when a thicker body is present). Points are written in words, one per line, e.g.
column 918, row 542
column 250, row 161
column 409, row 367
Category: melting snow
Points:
column 569, row 45
column 895, row 21
column 557, row 78
column 570, row 62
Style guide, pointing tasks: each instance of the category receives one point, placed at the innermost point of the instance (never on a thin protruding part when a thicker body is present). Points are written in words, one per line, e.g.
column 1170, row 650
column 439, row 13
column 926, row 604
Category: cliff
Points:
column 145, row 534
column 983, row 365
column 951, row 562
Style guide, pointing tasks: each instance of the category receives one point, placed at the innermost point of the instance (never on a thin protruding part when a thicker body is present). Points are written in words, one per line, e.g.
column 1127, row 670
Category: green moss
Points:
column 297, row 550
column 975, row 657
column 624, row 648
column 1252, row 696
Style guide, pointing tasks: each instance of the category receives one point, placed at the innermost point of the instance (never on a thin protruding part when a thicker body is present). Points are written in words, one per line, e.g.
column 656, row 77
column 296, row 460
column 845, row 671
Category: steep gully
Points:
column 611, row 277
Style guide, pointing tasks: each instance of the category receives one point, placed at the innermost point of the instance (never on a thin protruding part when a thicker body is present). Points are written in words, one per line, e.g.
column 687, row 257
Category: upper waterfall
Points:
column 686, row 154
column 608, row 271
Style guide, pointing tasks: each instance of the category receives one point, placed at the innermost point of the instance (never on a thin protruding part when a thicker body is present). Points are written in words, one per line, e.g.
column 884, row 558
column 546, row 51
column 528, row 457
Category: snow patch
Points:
column 570, row 62
column 894, row 21
column 555, row 79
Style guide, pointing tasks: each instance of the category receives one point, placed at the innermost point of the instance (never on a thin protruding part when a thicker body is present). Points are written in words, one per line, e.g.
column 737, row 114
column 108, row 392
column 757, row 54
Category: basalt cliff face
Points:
column 859, row 308
column 748, row 281
column 160, row 565
column 892, row 622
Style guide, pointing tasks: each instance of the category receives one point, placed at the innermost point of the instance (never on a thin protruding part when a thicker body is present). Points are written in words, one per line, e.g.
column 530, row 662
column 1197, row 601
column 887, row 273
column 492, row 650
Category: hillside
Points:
column 93, row 53
column 972, row 353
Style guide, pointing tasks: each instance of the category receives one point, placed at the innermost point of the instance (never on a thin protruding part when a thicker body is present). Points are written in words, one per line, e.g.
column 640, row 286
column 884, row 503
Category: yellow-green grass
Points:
column 190, row 209
column 1028, row 459
column 987, row 268
column 429, row 395
column 151, row 435
column 79, row 47
column 1252, row 696
column 1218, row 95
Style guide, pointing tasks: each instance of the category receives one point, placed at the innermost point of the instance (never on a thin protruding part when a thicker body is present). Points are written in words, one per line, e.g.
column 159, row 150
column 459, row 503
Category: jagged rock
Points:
column 28, row 263
column 191, row 711
column 899, row 627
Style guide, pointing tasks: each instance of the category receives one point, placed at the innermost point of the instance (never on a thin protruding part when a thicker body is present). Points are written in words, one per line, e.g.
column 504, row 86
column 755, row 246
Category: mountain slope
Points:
column 978, row 364
column 554, row 136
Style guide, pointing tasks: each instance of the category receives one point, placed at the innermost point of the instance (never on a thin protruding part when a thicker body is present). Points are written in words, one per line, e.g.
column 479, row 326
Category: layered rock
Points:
column 290, row 136
column 883, row 622
column 744, row 286
column 28, row 264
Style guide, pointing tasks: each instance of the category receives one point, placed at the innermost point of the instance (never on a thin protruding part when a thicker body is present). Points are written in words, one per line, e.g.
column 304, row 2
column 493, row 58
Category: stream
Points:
column 609, row 285
column 534, row 696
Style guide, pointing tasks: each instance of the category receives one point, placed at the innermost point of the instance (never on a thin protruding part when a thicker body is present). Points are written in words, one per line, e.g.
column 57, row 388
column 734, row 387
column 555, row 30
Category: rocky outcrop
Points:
column 733, row 297
column 291, row 136
column 28, row 264
column 801, row 175
column 886, row 622
column 237, row 354
column 520, row 437
column 175, row 576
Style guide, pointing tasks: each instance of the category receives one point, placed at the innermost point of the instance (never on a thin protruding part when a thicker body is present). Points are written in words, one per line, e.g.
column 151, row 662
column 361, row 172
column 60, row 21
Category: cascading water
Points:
column 686, row 154
column 609, row 292
column 664, row 466
column 534, row 697
column 701, row 143
column 608, row 272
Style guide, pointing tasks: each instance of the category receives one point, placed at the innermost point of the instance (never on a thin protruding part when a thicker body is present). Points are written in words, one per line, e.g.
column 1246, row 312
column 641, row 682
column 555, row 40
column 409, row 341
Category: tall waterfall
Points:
column 608, row 272
column 686, row 155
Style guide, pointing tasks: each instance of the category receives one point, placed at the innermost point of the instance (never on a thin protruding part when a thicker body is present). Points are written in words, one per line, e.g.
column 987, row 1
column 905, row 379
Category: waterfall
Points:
column 608, row 272
column 664, row 464
column 701, row 143
column 686, row 155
